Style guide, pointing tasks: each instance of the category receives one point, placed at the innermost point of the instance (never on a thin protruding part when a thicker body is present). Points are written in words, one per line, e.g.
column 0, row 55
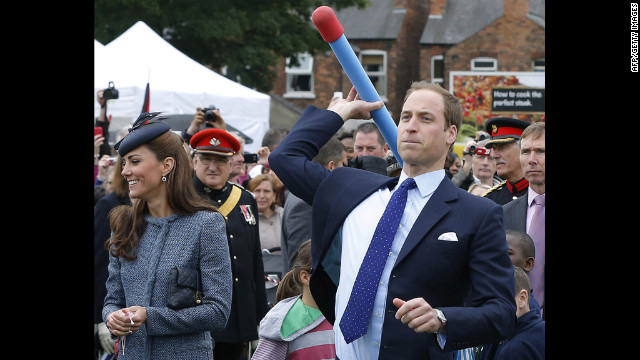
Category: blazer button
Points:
column 234, row 257
column 230, row 236
column 236, row 279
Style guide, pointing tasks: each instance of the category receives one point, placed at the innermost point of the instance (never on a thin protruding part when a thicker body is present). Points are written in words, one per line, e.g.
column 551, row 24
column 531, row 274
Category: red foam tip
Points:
column 327, row 23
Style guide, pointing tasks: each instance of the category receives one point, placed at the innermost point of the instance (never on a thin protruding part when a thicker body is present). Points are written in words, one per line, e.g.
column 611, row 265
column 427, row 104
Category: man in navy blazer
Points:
column 448, row 280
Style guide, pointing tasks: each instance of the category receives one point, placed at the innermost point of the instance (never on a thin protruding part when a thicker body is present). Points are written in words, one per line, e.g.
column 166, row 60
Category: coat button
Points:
column 234, row 257
column 236, row 279
column 230, row 236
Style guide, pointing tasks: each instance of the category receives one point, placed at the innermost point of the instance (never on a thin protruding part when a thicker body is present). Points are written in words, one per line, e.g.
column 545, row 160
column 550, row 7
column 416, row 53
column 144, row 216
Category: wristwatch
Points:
column 442, row 318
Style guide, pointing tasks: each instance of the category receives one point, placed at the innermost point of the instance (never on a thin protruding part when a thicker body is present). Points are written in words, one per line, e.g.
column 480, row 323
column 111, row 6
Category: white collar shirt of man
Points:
column 357, row 232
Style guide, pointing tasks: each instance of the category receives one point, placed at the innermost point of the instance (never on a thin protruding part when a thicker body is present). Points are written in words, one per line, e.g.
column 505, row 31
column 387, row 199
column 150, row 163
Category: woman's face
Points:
column 455, row 166
column 265, row 196
column 112, row 177
column 143, row 173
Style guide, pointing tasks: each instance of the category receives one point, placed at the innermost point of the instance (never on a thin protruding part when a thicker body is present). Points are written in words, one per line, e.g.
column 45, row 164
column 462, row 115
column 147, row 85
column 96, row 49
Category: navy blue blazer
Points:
column 475, row 270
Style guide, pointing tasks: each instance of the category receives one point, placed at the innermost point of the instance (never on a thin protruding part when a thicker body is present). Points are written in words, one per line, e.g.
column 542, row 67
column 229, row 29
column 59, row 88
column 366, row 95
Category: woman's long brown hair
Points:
column 126, row 221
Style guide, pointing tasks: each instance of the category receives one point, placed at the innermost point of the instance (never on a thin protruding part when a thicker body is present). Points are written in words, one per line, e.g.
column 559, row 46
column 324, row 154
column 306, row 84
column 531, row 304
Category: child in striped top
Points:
column 294, row 329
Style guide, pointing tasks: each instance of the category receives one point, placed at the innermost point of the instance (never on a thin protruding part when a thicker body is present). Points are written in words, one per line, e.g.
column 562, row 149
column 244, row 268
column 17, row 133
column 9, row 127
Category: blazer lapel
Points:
column 522, row 212
column 430, row 215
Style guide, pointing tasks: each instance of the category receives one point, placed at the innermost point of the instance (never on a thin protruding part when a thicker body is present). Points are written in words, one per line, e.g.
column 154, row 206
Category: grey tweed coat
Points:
column 196, row 241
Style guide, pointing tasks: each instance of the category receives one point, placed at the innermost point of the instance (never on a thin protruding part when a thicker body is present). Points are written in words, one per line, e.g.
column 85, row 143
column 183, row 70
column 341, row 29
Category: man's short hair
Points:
column 535, row 130
column 332, row 150
column 368, row 128
column 452, row 107
column 273, row 137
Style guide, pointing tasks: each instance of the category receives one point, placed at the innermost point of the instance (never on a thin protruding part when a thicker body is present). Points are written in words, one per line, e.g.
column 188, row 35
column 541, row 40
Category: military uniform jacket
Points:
column 249, row 303
column 507, row 191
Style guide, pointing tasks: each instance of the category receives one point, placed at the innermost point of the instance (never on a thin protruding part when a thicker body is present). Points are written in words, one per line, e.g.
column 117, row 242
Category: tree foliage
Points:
column 247, row 36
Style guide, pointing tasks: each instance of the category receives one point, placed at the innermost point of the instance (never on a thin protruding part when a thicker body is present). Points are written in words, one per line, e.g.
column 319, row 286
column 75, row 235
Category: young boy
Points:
column 522, row 252
column 527, row 343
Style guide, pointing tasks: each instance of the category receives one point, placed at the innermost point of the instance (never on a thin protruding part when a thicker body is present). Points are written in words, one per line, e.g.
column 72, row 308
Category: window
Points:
column 300, row 77
column 374, row 63
column 537, row 65
column 484, row 64
column 437, row 69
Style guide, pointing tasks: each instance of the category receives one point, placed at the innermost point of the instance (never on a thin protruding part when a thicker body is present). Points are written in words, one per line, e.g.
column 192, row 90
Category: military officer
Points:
column 505, row 133
column 213, row 150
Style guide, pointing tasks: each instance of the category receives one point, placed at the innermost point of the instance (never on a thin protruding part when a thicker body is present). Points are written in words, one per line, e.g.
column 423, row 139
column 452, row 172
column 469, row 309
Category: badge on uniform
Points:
column 248, row 214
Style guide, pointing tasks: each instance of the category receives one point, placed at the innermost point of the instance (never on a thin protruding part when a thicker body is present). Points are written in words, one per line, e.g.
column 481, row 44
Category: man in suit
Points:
column 519, row 213
column 449, row 250
column 296, row 217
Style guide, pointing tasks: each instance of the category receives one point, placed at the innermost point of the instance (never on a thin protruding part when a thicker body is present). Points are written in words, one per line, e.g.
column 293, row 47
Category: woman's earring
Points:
column 164, row 178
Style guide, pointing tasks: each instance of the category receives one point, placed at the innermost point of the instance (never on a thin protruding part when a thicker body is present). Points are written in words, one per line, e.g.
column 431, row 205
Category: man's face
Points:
column 423, row 137
column 237, row 163
column 348, row 143
column 483, row 166
column 212, row 170
column 532, row 159
column 507, row 157
column 367, row 144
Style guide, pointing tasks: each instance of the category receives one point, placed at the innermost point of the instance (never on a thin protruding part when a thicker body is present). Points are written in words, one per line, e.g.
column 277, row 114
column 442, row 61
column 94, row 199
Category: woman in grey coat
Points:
column 167, row 226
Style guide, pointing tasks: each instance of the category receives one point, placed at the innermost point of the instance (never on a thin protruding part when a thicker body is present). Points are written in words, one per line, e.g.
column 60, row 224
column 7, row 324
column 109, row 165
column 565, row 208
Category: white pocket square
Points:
column 449, row 236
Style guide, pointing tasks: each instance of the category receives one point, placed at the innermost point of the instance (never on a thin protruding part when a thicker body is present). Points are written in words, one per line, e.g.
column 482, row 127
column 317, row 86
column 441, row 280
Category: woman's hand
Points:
column 126, row 321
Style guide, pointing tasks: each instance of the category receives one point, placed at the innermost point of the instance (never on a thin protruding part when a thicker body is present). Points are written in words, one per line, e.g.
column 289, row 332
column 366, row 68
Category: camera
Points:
column 250, row 158
column 111, row 92
column 474, row 150
column 209, row 115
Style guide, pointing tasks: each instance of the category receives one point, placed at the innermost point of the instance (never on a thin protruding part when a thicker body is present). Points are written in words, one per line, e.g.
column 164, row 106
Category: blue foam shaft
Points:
column 358, row 77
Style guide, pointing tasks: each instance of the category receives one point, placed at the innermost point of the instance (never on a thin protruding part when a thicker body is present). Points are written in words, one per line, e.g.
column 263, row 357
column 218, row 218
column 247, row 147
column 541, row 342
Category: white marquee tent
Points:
column 178, row 84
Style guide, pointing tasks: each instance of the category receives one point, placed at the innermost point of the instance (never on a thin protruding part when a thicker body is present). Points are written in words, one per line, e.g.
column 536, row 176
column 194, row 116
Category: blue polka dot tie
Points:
column 355, row 319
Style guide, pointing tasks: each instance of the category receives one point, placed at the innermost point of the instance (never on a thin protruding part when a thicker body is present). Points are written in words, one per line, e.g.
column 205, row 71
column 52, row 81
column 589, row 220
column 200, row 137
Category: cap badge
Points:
column 494, row 129
column 214, row 142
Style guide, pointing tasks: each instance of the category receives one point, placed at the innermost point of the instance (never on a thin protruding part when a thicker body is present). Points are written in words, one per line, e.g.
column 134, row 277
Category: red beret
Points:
column 214, row 141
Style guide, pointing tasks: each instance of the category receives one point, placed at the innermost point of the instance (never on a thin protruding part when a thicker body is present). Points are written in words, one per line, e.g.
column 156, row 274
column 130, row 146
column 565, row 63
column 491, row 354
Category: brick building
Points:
column 399, row 41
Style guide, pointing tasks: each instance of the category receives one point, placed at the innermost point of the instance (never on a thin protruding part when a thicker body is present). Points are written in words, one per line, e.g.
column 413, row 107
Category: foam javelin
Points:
column 333, row 33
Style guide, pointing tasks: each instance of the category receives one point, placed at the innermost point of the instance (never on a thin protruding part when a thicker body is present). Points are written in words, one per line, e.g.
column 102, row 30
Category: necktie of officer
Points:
column 537, row 232
column 355, row 319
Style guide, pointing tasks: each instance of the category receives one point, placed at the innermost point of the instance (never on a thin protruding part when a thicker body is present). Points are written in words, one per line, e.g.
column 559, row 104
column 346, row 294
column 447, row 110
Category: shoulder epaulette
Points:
column 238, row 185
column 243, row 189
column 496, row 187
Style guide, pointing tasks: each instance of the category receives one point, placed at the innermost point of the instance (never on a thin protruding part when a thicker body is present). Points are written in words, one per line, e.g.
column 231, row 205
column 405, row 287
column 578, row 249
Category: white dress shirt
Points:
column 357, row 232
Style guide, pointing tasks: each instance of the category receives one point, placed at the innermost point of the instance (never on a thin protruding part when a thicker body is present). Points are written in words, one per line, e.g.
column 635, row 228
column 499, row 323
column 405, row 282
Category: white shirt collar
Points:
column 427, row 182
